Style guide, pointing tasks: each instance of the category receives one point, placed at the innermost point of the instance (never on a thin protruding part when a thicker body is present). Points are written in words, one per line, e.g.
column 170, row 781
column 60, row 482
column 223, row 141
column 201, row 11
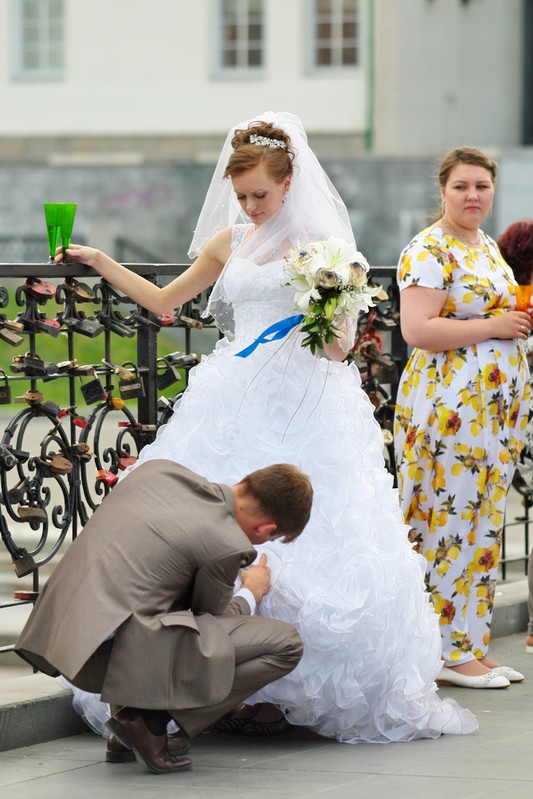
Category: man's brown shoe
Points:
column 129, row 727
column 117, row 753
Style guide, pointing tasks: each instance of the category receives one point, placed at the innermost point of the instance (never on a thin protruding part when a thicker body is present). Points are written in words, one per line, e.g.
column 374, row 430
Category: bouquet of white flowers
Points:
column 330, row 278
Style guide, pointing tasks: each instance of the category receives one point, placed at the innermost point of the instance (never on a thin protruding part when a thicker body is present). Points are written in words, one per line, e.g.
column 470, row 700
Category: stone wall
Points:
column 155, row 206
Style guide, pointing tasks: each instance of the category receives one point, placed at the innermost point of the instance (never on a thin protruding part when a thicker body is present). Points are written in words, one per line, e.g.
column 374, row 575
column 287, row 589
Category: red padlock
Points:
column 26, row 595
column 50, row 326
column 108, row 478
column 126, row 460
column 165, row 319
column 39, row 289
column 77, row 420
column 66, row 412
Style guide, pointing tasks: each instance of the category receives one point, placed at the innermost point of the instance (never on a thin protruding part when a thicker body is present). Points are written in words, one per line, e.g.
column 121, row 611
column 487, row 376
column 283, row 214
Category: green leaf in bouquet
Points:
column 330, row 307
column 311, row 327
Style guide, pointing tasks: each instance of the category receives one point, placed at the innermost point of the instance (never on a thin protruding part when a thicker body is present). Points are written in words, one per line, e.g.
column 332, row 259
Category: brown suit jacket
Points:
column 156, row 563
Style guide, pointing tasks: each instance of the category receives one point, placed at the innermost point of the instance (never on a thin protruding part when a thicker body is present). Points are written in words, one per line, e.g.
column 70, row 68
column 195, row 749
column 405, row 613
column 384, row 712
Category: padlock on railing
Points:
column 92, row 391
column 16, row 495
column 9, row 456
column 50, row 407
column 166, row 319
column 182, row 360
column 54, row 464
column 40, row 290
column 33, row 514
column 7, row 459
column 81, row 451
column 29, row 364
column 80, row 292
column 168, row 366
column 23, row 564
column 106, row 477
column 32, row 398
column 125, row 460
column 187, row 321
column 167, row 374
column 5, row 389
column 130, row 384
column 9, row 334
column 45, row 325
column 77, row 420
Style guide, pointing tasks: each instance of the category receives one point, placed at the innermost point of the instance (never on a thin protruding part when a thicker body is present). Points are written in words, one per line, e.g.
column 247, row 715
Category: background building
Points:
column 122, row 107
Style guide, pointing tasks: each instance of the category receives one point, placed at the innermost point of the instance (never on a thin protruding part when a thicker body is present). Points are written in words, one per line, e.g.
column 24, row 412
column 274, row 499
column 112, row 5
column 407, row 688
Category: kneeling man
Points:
column 141, row 610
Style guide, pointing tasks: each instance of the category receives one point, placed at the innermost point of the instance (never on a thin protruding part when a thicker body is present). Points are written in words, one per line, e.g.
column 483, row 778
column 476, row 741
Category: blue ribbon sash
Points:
column 273, row 333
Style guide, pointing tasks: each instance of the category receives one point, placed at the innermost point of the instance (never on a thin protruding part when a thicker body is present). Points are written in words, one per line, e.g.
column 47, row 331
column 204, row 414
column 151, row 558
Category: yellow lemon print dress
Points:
column 459, row 427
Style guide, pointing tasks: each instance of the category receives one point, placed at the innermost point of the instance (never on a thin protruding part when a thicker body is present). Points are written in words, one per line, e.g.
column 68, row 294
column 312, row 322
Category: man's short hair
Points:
column 285, row 494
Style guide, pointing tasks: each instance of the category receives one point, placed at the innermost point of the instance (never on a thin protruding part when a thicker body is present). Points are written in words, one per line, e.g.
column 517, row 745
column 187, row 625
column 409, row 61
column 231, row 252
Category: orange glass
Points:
column 523, row 297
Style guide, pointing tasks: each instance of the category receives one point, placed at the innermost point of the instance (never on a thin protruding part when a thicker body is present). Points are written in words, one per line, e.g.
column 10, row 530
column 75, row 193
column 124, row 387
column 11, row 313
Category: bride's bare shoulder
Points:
column 219, row 245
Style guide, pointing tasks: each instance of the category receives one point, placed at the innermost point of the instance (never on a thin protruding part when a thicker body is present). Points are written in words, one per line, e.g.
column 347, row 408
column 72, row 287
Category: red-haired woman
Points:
column 516, row 246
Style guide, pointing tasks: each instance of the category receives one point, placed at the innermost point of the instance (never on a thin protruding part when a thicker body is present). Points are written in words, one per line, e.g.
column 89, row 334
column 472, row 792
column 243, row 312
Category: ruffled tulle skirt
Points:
column 351, row 584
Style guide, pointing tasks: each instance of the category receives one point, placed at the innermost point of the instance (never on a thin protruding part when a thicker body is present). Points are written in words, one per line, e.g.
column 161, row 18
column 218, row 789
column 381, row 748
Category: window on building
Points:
column 336, row 33
column 242, row 34
column 40, row 38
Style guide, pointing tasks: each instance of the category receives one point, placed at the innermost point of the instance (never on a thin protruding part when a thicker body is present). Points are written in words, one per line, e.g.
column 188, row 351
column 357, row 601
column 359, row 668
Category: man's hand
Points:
column 257, row 578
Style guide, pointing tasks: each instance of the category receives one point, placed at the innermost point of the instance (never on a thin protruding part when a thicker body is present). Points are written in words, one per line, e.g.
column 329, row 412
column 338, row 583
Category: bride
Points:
column 352, row 584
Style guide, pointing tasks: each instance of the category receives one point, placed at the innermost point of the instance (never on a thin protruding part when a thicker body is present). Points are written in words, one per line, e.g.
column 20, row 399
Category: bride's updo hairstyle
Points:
column 311, row 209
column 277, row 158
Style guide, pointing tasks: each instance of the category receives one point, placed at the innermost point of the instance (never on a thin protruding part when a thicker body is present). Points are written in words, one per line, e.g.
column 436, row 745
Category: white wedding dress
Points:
column 351, row 583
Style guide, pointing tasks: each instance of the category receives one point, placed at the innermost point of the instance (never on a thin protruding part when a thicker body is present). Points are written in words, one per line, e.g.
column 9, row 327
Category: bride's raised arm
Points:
column 201, row 274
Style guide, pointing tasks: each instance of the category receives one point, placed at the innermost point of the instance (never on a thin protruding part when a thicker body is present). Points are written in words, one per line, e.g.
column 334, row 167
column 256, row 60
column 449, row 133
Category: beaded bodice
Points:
column 255, row 292
column 257, row 296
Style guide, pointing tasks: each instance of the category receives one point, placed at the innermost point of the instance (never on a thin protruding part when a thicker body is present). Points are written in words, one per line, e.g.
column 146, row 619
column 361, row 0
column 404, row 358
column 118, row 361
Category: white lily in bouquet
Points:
column 330, row 279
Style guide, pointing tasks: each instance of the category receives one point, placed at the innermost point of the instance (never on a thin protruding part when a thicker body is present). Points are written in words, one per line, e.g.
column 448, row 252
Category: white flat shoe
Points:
column 489, row 680
column 512, row 674
column 529, row 649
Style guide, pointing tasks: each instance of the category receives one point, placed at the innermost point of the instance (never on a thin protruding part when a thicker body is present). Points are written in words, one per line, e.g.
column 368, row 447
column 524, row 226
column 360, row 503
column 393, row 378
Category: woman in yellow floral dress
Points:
column 461, row 411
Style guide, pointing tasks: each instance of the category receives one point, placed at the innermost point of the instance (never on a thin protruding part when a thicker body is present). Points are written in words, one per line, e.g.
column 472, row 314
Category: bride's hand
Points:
column 79, row 254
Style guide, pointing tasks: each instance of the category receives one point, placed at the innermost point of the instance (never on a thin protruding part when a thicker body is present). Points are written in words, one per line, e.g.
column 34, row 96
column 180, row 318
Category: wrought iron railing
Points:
column 56, row 465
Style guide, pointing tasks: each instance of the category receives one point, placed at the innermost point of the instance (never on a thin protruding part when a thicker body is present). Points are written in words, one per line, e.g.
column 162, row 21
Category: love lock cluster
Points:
column 70, row 460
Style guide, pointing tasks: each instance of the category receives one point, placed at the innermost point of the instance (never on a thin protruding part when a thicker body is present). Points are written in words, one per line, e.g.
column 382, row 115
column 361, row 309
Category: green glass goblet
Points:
column 51, row 215
column 67, row 212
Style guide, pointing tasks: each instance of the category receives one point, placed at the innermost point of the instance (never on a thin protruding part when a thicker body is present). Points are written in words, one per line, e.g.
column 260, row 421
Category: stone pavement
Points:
column 492, row 763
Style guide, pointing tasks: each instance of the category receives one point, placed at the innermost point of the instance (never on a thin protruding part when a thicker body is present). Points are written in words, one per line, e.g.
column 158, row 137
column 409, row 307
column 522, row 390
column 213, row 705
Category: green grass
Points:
column 87, row 351
column 90, row 351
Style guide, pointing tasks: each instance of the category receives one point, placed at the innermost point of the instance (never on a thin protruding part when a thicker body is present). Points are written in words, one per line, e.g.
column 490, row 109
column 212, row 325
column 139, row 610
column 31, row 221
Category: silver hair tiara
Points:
column 264, row 141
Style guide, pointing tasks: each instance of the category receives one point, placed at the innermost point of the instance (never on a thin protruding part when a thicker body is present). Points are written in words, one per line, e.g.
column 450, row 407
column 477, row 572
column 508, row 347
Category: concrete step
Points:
column 35, row 709
column 510, row 608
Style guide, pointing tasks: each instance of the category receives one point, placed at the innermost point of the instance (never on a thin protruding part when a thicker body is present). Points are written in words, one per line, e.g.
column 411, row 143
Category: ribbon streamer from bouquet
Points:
column 273, row 333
